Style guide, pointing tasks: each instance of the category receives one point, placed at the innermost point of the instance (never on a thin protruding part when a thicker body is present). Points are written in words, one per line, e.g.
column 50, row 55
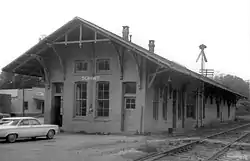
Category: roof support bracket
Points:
column 138, row 61
column 45, row 69
column 120, row 56
column 60, row 61
column 151, row 77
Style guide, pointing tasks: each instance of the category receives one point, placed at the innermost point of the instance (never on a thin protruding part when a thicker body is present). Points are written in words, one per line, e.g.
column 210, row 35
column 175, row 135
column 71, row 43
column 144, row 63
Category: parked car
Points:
column 13, row 128
column 4, row 115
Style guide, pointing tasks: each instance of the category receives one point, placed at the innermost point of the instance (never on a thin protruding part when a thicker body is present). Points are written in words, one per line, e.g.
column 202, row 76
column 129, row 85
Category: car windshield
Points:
column 9, row 122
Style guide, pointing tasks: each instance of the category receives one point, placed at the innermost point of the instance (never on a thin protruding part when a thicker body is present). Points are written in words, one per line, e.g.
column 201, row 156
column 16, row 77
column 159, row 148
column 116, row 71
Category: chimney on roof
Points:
column 125, row 32
column 151, row 46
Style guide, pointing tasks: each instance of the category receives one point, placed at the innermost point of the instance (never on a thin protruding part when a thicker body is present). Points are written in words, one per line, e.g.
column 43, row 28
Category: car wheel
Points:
column 50, row 134
column 33, row 138
column 11, row 138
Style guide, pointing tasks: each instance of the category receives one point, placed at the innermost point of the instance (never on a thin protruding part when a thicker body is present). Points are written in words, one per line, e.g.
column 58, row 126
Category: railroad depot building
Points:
column 97, row 81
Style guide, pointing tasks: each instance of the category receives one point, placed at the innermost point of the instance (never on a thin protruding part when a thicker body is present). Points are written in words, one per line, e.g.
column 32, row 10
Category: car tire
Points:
column 11, row 138
column 33, row 138
column 50, row 134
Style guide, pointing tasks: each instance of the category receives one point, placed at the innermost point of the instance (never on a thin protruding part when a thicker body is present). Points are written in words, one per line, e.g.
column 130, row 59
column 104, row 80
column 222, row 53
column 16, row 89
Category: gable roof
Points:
column 42, row 46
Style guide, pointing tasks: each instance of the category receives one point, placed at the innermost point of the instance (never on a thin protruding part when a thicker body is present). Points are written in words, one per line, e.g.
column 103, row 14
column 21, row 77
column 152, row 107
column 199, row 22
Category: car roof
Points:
column 4, row 114
column 18, row 118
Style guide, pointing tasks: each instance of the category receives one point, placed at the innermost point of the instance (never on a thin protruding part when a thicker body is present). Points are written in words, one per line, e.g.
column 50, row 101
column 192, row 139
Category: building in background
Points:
column 5, row 103
column 32, row 104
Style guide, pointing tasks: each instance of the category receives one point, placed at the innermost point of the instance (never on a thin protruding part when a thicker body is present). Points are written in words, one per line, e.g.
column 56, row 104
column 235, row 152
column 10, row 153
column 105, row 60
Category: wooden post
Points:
column 23, row 100
column 80, row 37
column 141, row 121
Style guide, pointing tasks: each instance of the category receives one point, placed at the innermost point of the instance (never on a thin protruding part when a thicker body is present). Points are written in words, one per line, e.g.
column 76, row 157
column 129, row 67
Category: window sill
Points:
column 97, row 119
column 83, row 118
column 103, row 119
column 104, row 73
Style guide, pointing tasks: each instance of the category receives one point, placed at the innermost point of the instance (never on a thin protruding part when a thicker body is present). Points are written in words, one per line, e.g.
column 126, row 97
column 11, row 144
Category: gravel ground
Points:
column 235, row 155
column 78, row 147
column 198, row 153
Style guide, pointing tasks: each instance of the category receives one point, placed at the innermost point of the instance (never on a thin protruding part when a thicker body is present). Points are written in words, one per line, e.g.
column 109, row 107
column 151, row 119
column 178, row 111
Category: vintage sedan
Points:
column 13, row 128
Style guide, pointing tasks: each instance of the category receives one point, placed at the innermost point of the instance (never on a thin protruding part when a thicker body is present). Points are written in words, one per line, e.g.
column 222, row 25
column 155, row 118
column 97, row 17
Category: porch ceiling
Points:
column 24, row 64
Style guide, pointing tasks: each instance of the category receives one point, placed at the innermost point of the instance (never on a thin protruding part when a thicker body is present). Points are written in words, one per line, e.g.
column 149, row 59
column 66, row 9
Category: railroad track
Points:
column 226, row 148
column 170, row 154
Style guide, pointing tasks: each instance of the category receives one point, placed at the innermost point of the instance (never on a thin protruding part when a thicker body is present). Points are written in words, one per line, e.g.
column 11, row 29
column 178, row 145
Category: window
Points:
column 130, row 88
column 103, row 65
column 191, row 108
column 130, row 103
column 156, row 104
column 165, row 103
column 34, row 122
column 191, row 111
column 81, row 66
column 58, row 87
column 179, row 104
column 211, row 99
column 80, row 99
column 103, row 99
column 39, row 105
column 218, row 109
column 24, row 123
column 26, row 105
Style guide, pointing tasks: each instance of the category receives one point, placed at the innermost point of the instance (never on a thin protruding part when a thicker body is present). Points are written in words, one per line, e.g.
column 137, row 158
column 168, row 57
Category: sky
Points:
column 177, row 26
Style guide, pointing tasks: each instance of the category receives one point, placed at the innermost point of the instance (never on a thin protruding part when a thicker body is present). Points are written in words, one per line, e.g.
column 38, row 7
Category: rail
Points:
column 182, row 148
column 223, row 150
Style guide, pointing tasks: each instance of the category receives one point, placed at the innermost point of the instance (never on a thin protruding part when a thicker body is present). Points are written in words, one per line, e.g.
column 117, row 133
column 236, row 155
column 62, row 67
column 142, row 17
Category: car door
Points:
column 24, row 129
column 37, row 128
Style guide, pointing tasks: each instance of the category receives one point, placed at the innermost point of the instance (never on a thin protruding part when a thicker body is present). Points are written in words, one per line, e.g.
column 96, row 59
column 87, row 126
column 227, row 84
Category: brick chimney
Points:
column 125, row 33
column 151, row 46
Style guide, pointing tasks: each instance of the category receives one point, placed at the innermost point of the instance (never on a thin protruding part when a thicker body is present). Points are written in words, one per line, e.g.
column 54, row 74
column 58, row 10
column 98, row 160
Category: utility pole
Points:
column 22, row 84
column 203, row 57
column 203, row 60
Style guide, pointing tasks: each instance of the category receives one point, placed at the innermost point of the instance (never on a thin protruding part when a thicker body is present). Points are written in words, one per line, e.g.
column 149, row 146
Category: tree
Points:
column 235, row 83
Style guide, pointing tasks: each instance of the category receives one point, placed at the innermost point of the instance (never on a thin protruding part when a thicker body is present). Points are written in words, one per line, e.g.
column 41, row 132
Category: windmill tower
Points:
column 203, row 58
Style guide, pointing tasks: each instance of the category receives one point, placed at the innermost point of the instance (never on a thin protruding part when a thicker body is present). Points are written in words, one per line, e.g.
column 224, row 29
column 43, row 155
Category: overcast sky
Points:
column 177, row 26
